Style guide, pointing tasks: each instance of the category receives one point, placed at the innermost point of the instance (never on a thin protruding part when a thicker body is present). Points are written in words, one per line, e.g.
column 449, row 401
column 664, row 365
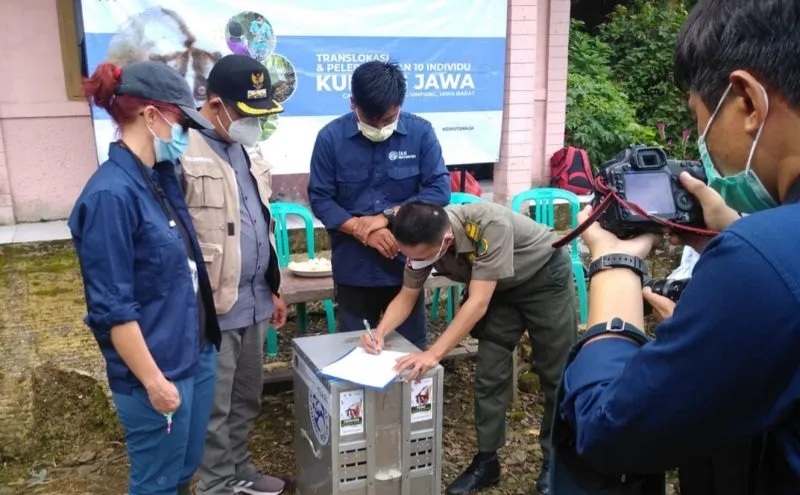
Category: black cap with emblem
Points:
column 245, row 82
column 157, row 81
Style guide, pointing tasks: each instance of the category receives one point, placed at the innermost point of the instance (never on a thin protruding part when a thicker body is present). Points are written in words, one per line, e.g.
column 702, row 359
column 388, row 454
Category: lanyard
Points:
column 152, row 186
column 158, row 193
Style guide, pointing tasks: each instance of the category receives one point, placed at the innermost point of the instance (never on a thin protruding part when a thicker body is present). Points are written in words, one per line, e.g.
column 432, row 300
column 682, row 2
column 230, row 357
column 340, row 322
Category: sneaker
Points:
column 260, row 484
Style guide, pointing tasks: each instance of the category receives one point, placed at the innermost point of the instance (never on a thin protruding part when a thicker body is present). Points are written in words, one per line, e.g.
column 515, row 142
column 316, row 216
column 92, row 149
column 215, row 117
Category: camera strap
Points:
column 609, row 196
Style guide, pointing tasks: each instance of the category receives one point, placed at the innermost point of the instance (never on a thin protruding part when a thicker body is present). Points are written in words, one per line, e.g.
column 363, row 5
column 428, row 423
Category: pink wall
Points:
column 47, row 149
column 536, row 94
column 46, row 144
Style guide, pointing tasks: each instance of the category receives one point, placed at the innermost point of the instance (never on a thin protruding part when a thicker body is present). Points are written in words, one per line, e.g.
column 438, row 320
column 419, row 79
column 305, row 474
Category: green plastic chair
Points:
column 543, row 201
column 454, row 292
column 280, row 212
column 461, row 198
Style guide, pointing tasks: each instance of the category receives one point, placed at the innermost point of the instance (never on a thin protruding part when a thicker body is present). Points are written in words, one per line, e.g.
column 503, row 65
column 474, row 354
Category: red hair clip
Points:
column 117, row 73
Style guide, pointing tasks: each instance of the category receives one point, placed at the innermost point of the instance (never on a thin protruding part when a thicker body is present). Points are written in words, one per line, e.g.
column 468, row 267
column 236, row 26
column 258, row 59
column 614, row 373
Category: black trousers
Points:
column 355, row 304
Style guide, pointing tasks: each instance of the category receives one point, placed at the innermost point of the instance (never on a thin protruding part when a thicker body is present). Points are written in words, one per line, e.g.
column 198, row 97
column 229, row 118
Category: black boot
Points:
column 543, row 482
column 184, row 489
column 483, row 472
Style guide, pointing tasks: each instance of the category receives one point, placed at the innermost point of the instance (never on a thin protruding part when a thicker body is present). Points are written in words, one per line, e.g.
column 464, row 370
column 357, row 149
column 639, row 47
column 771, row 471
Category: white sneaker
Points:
column 260, row 484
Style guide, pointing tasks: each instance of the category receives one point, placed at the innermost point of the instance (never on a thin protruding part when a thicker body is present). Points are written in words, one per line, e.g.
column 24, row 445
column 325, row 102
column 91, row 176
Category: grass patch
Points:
column 63, row 421
column 52, row 291
column 11, row 471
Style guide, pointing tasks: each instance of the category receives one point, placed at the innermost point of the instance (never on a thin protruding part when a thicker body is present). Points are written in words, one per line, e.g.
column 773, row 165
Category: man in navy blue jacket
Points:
column 724, row 367
column 365, row 164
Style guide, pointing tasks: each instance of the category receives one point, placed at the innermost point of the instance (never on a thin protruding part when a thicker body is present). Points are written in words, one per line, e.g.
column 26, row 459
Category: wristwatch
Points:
column 619, row 260
column 389, row 214
column 616, row 326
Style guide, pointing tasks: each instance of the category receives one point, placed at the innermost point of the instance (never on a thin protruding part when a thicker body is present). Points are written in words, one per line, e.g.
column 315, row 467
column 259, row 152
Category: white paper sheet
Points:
column 370, row 370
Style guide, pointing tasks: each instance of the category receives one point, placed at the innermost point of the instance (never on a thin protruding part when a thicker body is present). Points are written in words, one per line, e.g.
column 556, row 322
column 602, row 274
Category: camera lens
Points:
column 657, row 286
column 668, row 288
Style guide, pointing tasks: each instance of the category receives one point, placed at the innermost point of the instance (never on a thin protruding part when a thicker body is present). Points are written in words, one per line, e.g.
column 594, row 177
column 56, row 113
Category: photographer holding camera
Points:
column 725, row 367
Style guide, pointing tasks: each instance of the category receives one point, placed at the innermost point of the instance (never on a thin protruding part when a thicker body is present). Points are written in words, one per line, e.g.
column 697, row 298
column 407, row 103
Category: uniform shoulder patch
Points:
column 481, row 246
column 473, row 231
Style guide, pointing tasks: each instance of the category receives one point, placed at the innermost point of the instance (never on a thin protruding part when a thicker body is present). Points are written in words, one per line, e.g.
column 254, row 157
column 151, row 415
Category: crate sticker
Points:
column 319, row 401
column 351, row 412
column 422, row 400
column 320, row 417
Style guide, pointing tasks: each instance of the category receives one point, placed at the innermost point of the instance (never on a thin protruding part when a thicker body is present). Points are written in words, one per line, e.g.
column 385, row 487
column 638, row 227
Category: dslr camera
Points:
column 668, row 288
column 644, row 176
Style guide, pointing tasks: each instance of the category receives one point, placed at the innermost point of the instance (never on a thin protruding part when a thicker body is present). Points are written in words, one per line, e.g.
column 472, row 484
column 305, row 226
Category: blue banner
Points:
column 452, row 52
column 443, row 74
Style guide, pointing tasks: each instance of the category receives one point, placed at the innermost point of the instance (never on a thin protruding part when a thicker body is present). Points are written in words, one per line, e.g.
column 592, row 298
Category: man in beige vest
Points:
column 227, row 191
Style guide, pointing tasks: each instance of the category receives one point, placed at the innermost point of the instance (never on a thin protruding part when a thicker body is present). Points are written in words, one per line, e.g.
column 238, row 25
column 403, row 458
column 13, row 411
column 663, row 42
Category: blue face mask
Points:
column 743, row 191
column 174, row 148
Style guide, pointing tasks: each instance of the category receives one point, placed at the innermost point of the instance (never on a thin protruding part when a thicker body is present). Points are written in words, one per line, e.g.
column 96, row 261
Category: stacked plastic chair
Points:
column 280, row 212
column 543, row 201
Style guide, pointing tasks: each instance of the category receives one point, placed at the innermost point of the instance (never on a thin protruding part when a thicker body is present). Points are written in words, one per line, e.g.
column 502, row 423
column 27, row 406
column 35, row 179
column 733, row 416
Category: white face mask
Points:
column 373, row 133
column 420, row 264
column 246, row 131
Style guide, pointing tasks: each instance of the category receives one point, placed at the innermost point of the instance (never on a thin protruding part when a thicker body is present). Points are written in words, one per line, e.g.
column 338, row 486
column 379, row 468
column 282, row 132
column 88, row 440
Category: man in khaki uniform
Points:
column 516, row 282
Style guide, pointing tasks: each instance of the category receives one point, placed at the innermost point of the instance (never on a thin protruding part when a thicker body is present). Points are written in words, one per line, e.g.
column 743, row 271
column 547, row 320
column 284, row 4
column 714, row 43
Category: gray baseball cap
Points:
column 158, row 81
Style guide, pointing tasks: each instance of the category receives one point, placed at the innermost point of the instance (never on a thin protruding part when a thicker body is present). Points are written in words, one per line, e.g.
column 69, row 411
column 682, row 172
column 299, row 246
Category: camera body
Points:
column 669, row 288
column 644, row 176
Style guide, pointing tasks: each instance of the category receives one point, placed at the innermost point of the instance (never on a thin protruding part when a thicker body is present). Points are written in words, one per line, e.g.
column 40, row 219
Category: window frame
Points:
column 72, row 56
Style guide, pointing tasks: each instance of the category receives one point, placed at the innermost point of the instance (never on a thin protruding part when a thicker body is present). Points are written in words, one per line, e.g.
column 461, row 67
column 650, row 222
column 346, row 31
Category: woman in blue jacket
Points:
column 147, row 292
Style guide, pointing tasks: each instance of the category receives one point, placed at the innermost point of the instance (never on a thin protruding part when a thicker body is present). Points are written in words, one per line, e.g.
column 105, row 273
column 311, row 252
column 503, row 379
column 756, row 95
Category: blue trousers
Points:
column 160, row 462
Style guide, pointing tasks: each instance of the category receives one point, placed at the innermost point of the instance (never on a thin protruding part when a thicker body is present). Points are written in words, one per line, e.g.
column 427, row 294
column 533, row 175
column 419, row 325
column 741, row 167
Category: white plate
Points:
column 311, row 274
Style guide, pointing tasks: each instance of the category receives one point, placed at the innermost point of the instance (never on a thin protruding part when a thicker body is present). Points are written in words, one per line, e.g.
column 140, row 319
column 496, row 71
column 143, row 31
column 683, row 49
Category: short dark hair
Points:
column 235, row 29
column 721, row 36
column 419, row 222
column 377, row 87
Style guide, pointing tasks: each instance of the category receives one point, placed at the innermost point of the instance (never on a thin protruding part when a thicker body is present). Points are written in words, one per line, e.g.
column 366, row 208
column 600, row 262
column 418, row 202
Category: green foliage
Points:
column 269, row 125
column 643, row 37
column 600, row 118
column 587, row 54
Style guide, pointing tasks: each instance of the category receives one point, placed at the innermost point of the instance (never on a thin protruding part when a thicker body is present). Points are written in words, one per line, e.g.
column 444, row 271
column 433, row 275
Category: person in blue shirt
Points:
column 723, row 366
column 148, row 295
column 261, row 31
column 365, row 164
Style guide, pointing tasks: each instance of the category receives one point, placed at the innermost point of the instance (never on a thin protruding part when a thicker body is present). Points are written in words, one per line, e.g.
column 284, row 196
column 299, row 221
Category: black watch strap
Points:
column 615, row 326
column 619, row 260
column 389, row 214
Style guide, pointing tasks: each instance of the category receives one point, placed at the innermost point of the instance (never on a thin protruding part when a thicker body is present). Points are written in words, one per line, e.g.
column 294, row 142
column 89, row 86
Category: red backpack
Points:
column 571, row 170
column 471, row 185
